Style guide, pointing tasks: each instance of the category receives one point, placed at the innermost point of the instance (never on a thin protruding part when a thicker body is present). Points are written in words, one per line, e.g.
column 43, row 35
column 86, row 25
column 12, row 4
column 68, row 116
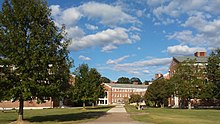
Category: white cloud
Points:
column 183, row 50
column 55, row 10
column 155, row 2
column 116, row 61
column 139, row 13
column 175, row 8
column 109, row 48
column 135, row 37
column 108, row 14
column 187, row 37
column 201, row 24
column 152, row 62
column 138, row 68
column 114, row 37
column 84, row 58
column 69, row 16
column 133, row 28
column 91, row 27
column 75, row 32
column 112, row 19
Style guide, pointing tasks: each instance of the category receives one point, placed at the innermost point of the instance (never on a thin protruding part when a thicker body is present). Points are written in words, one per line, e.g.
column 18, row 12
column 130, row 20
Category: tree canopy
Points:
column 213, row 72
column 135, row 98
column 158, row 92
column 135, row 79
column 123, row 80
column 105, row 80
column 88, row 85
column 34, row 57
column 188, row 81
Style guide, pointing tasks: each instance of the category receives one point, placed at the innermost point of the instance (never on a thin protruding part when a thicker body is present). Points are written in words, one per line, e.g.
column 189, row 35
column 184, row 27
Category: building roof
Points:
column 198, row 59
column 126, row 86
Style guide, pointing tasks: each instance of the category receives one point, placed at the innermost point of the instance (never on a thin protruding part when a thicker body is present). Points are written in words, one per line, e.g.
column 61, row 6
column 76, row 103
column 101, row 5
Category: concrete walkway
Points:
column 116, row 115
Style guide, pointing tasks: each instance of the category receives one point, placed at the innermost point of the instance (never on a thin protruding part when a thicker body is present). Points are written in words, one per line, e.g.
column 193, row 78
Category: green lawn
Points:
column 175, row 116
column 59, row 115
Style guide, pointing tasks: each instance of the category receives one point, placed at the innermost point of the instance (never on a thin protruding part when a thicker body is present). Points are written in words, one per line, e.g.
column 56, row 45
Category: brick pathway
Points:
column 116, row 115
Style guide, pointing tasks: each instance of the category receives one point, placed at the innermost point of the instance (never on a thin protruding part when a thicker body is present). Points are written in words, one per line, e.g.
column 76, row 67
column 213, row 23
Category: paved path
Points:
column 116, row 115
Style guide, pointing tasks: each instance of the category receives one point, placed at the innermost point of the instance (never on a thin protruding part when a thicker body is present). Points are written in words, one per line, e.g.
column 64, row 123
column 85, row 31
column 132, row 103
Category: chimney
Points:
column 200, row 54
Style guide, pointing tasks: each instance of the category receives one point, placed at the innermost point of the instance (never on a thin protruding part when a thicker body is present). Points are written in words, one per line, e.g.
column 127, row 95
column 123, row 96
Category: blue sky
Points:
column 137, row 38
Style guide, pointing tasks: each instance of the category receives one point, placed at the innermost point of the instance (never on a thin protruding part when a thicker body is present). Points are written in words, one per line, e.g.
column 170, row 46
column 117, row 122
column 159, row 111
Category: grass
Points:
column 175, row 116
column 56, row 115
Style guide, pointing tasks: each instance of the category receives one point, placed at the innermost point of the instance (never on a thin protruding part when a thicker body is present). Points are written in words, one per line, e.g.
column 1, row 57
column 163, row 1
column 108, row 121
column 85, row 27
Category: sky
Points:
column 136, row 38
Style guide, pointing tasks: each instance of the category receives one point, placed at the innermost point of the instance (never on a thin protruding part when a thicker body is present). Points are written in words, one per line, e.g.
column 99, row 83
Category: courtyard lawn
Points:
column 56, row 115
column 175, row 116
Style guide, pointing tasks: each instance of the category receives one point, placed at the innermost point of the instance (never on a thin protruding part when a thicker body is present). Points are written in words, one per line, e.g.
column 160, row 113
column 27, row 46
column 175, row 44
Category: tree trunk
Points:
column 84, row 105
column 161, row 105
column 93, row 105
column 21, row 109
column 189, row 105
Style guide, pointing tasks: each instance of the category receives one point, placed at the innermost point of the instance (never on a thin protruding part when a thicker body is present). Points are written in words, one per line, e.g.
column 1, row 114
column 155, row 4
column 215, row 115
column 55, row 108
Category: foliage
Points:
column 123, row 80
column 188, row 80
column 158, row 92
column 33, row 52
column 135, row 98
column 87, row 86
column 213, row 72
column 105, row 80
column 135, row 79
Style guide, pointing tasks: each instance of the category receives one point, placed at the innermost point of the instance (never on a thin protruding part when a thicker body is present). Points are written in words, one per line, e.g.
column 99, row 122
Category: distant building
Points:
column 120, row 93
column 200, row 59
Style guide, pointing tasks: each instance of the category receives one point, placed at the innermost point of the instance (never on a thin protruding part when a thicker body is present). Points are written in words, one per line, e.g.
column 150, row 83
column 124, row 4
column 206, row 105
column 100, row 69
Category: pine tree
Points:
column 34, row 55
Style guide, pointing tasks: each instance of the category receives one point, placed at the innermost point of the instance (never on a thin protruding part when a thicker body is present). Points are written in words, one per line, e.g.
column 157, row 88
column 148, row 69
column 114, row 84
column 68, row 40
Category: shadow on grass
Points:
column 66, row 117
column 99, row 107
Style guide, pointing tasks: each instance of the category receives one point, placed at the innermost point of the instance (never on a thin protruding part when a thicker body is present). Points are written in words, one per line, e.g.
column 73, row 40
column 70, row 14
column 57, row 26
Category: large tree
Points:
column 213, row 72
column 96, row 85
column 88, row 85
column 135, row 98
column 34, row 56
column 158, row 92
column 188, row 81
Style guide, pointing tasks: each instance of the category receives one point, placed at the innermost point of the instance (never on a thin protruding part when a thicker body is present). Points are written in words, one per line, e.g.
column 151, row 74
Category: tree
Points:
column 33, row 53
column 188, row 81
column 105, row 80
column 135, row 79
column 213, row 72
column 158, row 92
column 135, row 98
column 88, row 85
column 96, row 85
column 123, row 80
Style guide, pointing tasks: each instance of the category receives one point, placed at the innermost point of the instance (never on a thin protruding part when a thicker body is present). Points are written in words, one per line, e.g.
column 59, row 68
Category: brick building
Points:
column 120, row 93
column 201, row 60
